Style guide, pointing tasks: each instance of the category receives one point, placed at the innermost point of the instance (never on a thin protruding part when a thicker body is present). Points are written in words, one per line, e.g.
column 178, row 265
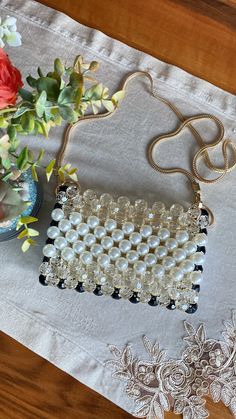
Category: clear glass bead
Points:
column 158, row 207
column 183, row 219
column 71, row 282
column 61, row 197
column 44, row 268
column 89, row 195
column 117, row 281
column 89, row 285
column 95, row 205
column 126, row 293
column 107, row 289
column 103, row 213
column 113, row 209
column 155, row 289
column 106, row 199
column 194, row 212
column 140, row 205
column 148, row 278
column 144, row 297
column 166, row 217
column 123, row 202
column 62, row 271
column 51, row 279
column 72, row 191
column 176, row 210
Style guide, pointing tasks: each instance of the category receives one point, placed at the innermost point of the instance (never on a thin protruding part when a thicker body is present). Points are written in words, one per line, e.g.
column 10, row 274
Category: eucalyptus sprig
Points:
column 63, row 94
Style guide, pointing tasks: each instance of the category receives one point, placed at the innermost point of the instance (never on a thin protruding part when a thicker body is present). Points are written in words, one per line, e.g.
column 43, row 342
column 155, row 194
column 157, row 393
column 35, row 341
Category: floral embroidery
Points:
column 207, row 367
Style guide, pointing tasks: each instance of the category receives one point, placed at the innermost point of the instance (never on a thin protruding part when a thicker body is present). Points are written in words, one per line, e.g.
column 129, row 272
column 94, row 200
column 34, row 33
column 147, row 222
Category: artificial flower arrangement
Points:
column 49, row 99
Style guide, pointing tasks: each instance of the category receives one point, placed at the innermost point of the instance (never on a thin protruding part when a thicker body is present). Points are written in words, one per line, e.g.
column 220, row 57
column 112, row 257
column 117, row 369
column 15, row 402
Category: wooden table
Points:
column 196, row 35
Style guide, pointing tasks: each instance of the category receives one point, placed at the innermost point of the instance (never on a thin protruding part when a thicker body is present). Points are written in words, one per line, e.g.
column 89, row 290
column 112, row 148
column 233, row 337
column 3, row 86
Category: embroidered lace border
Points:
column 207, row 367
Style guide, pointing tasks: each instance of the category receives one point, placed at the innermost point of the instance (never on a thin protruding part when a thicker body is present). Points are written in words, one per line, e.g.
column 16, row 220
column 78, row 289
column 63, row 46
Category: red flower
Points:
column 10, row 81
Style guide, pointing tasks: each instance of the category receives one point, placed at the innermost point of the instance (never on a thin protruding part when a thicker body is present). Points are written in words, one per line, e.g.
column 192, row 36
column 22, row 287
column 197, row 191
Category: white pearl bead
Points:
column 57, row 214
column 176, row 274
column 99, row 232
column 150, row 259
column 153, row 241
column 89, row 239
column 132, row 256
column 160, row 252
column 93, row 221
column 135, row 238
column 122, row 264
column 125, row 246
column 158, row 271
column 171, row 244
column 103, row 260
column 146, row 231
column 53, row 232
column 110, row 225
column 107, row 242
column 142, row 249
column 60, row 243
column 83, row 229
column 179, row 255
column 168, row 262
column 200, row 239
column 128, row 228
column 163, row 234
column 198, row 258
column 187, row 266
column 64, row 225
column 190, row 248
column 75, row 218
column 195, row 277
column 79, row 246
column 49, row 251
column 114, row 253
column 117, row 235
column 96, row 249
column 86, row 257
column 140, row 267
column 71, row 236
column 182, row 236
column 67, row 254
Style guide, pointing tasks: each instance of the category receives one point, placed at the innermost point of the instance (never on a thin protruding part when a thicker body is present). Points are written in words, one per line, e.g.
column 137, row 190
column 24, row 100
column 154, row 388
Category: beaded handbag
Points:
column 131, row 250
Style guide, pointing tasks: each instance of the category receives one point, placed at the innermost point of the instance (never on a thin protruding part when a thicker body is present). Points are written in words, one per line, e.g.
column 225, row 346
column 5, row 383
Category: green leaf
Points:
column 94, row 92
column 49, row 169
column 94, row 65
column 34, row 173
column 118, row 96
column 26, row 245
column 28, row 219
column 40, row 73
column 22, row 159
column 31, row 81
column 27, row 122
column 76, row 80
column 6, row 163
column 42, row 127
column 32, row 232
column 26, row 95
column 59, row 67
column 3, row 122
column 66, row 96
column 40, row 155
column 23, row 233
column 68, row 114
column 108, row 105
column 50, row 86
column 20, row 111
column 78, row 96
column 12, row 132
column 40, row 104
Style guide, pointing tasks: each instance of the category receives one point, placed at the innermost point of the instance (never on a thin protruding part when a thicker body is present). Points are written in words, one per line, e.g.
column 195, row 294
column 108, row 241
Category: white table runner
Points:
column 73, row 330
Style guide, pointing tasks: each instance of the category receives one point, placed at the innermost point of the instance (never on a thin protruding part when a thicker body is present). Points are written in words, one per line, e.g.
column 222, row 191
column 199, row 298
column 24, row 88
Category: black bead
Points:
column 198, row 268
column 98, row 290
column 116, row 294
column 54, row 223
column 134, row 299
column 61, row 285
column 49, row 241
column 201, row 249
column 171, row 305
column 57, row 205
column 204, row 212
column 154, row 301
column 42, row 280
column 63, row 188
column 203, row 230
column 192, row 309
column 46, row 259
column 79, row 287
column 196, row 287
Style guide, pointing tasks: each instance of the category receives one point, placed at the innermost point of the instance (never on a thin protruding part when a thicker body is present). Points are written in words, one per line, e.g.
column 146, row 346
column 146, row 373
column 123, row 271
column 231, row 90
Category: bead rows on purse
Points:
column 131, row 250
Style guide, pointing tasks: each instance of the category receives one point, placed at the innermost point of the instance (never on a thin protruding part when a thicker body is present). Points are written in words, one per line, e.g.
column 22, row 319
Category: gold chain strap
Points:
column 193, row 176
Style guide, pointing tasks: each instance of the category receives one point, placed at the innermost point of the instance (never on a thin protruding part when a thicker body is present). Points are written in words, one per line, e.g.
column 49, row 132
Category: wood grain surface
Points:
column 196, row 35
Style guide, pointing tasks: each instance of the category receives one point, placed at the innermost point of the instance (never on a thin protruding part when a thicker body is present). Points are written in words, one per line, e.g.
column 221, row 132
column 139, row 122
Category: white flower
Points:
column 8, row 33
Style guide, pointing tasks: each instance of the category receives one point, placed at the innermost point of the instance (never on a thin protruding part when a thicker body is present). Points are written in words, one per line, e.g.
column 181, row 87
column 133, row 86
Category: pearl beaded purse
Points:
column 131, row 250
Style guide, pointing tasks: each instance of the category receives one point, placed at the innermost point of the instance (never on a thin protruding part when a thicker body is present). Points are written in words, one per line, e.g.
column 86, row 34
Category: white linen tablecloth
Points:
column 73, row 330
